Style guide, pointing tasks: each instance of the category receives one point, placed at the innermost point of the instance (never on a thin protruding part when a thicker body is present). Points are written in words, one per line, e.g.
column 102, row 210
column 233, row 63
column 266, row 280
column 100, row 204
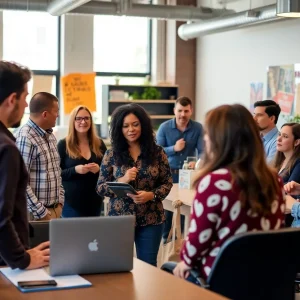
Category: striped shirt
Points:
column 39, row 151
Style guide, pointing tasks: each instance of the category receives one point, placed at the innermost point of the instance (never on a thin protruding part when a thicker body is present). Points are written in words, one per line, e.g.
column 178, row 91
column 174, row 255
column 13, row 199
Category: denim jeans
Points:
column 70, row 212
column 147, row 241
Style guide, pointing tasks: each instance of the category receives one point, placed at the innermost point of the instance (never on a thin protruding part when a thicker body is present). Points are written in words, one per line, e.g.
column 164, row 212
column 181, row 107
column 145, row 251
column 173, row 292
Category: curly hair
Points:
column 118, row 141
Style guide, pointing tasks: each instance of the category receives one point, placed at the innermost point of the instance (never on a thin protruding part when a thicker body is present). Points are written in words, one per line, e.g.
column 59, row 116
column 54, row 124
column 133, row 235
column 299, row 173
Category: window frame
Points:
column 56, row 73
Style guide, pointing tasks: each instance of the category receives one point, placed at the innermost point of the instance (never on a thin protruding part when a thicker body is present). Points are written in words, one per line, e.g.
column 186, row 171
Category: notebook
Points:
column 63, row 282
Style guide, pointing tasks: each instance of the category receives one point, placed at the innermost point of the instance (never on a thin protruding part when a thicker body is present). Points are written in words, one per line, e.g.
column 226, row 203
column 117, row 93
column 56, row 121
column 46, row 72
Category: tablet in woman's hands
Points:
column 121, row 189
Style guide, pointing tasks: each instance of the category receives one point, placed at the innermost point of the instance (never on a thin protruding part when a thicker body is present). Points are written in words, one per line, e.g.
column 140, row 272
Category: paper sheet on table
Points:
column 63, row 282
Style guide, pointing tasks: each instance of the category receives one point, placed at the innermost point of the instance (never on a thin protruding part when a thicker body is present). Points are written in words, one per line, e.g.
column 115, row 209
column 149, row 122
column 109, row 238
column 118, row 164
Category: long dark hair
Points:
column 119, row 143
column 279, row 158
column 235, row 143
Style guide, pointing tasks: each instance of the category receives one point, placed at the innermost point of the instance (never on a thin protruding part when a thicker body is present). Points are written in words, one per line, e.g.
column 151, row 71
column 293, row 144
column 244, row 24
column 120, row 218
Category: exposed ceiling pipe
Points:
column 60, row 7
column 181, row 13
column 246, row 18
column 178, row 12
column 31, row 5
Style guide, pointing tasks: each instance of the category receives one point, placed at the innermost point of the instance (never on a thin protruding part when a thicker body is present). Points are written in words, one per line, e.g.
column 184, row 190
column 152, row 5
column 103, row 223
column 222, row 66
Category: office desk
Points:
column 143, row 283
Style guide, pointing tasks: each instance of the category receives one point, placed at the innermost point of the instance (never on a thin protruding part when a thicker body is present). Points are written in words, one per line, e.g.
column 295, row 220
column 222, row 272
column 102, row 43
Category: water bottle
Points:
column 185, row 165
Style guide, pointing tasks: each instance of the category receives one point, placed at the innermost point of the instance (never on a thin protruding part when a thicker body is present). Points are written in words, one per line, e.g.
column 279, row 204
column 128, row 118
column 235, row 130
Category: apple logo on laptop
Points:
column 93, row 246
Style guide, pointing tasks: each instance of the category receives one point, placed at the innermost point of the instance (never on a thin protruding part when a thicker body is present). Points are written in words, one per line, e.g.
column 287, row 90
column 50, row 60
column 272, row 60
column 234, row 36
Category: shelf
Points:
column 161, row 116
column 143, row 101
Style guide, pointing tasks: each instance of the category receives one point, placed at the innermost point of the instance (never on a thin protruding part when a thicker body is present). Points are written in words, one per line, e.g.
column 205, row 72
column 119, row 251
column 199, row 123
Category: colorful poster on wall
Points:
column 281, row 87
column 256, row 93
column 79, row 89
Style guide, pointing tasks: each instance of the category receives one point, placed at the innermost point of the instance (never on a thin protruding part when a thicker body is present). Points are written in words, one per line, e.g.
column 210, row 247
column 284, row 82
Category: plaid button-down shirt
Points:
column 39, row 150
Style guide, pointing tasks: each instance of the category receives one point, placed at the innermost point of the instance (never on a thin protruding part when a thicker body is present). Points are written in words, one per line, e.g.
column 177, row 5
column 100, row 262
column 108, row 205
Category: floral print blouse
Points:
column 156, row 178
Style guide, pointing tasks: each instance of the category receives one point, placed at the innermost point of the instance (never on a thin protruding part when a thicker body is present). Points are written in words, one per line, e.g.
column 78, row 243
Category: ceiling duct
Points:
column 288, row 8
column 242, row 19
column 60, row 7
column 120, row 8
column 31, row 5
column 178, row 12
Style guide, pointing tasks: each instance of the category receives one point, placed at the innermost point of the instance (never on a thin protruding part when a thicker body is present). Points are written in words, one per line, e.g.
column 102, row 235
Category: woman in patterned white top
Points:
column 236, row 191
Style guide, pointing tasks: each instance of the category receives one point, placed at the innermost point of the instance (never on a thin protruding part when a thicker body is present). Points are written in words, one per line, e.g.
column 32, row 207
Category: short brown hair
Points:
column 40, row 102
column 184, row 101
column 13, row 77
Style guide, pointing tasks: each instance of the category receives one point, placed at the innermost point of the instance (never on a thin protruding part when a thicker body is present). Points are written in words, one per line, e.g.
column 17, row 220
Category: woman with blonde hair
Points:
column 236, row 191
column 81, row 154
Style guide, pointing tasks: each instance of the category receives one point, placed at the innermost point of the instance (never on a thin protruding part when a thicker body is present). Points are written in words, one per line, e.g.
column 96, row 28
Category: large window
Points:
column 122, row 45
column 32, row 39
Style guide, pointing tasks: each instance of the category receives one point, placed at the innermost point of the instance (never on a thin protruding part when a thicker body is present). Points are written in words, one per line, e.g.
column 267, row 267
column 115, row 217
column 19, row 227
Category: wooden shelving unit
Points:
column 159, row 110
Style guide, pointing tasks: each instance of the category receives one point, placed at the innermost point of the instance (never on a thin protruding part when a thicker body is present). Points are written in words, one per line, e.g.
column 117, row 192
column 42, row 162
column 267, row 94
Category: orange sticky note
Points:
column 79, row 89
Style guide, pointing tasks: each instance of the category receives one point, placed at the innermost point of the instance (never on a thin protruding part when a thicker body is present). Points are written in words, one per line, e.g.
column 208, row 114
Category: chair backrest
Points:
column 257, row 265
column 39, row 232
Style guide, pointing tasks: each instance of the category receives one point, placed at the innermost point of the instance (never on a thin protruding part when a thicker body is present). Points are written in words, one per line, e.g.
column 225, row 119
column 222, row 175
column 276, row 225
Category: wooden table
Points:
column 145, row 282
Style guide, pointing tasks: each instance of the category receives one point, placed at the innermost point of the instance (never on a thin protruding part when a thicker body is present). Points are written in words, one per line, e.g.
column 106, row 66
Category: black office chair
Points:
column 256, row 265
column 38, row 232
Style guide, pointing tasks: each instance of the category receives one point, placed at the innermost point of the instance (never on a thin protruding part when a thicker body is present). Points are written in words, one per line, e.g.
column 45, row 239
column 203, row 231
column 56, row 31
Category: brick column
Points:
column 181, row 58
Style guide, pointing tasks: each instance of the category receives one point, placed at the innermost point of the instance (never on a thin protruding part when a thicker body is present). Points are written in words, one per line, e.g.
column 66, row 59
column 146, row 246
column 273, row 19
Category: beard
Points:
column 14, row 116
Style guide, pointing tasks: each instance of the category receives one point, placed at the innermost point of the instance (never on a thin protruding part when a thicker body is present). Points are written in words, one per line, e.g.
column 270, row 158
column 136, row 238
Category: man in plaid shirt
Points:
column 38, row 147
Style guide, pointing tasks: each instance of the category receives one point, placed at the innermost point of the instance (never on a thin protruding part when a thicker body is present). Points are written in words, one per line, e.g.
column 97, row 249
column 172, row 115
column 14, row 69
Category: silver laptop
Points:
column 91, row 245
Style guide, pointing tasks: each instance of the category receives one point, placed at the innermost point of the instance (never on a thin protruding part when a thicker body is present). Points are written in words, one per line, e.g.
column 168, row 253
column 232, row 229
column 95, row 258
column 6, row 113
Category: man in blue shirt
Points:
column 266, row 115
column 180, row 137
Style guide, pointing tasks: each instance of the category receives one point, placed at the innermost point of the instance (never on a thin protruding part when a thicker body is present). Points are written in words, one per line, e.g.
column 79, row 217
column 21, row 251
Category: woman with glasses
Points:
column 81, row 154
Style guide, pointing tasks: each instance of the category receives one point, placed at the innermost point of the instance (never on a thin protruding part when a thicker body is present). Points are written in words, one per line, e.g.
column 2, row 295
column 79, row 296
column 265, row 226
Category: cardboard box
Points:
column 186, row 178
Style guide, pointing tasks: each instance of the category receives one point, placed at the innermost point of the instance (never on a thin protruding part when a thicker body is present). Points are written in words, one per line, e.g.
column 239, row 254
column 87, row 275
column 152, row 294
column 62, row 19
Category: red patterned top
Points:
column 216, row 215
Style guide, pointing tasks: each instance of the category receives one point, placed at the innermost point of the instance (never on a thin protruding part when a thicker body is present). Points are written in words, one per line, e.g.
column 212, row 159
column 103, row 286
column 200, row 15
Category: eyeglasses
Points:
column 79, row 119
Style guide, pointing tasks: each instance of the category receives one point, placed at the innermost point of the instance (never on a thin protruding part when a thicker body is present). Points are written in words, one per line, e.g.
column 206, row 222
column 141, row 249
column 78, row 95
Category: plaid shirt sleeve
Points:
column 28, row 152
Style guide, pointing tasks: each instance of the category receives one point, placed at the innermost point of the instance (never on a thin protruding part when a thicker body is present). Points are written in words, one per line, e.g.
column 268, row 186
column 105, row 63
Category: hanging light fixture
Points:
column 288, row 8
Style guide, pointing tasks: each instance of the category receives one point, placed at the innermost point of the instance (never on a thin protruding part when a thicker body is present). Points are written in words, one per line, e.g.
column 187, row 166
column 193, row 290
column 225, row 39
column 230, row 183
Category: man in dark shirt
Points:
column 13, row 175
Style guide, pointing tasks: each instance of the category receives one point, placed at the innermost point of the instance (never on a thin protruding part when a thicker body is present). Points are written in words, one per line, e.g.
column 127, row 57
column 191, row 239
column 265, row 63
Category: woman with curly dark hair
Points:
column 136, row 159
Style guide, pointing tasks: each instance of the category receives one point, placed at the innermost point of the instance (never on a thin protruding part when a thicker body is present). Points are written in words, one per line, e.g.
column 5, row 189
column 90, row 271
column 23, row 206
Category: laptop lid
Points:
column 91, row 245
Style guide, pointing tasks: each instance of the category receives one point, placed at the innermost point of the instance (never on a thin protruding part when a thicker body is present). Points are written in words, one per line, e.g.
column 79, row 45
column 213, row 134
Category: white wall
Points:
column 77, row 47
column 228, row 62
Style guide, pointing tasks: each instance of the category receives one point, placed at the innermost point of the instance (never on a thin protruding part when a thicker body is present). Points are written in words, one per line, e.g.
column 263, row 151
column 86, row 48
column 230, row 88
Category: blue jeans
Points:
column 70, row 212
column 147, row 241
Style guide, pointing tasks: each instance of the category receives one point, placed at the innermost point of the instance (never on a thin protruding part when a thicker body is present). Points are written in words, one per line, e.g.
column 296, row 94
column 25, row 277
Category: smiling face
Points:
column 182, row 114
column 82, row 121
column 131, row 128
